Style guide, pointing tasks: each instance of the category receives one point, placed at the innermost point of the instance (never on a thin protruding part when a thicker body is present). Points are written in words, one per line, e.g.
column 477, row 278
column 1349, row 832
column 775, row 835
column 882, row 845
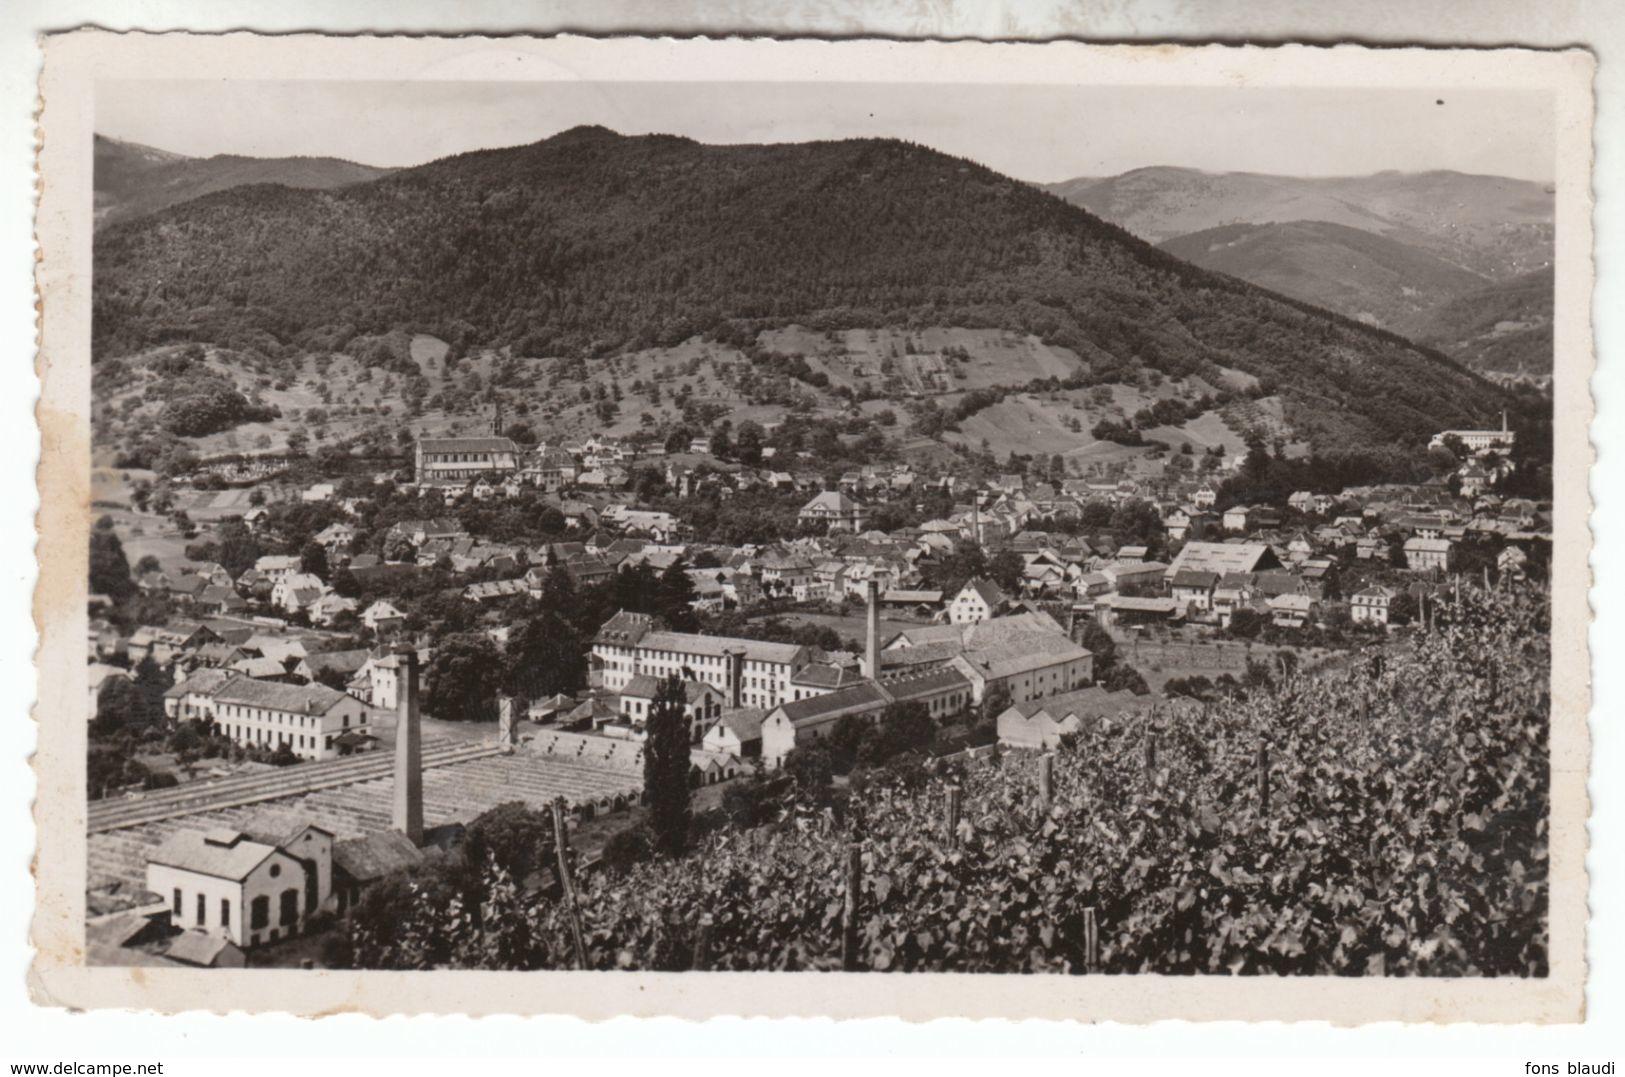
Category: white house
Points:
column 1193, row 589
column 382, row 617
column 1370, row 606
column 836, row 511
column 1291, row 611
column 737, row 733
column 327, row 608
column 246, row 889
column 977, row 601
column 297, row 591
column 1428, row 554
column 276, row 567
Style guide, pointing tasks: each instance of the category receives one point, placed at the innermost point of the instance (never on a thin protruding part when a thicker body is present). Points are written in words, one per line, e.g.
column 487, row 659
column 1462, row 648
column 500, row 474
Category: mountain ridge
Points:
column 1495, row 226
column 590, row 242
column 133, row 180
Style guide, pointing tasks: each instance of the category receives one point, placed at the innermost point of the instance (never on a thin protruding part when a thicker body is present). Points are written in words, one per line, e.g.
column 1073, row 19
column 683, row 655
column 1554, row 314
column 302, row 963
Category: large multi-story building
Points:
column 747, row 672
column 314, row 721
column 1478, row 440
column 455, row 460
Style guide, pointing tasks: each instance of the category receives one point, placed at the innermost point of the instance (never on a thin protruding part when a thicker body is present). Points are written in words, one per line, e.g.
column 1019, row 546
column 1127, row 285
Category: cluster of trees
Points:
column 1269, row 478
column 547, row 650
column 969, row 561
column 207, row 404
column 1111, row 671
column 901, row 734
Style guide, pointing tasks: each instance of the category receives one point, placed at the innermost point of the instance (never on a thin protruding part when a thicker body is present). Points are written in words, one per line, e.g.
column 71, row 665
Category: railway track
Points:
column 201, row 796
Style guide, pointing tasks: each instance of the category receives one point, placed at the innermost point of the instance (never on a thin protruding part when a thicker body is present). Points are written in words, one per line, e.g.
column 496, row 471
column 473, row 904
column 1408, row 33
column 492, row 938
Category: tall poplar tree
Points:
column 665, row 768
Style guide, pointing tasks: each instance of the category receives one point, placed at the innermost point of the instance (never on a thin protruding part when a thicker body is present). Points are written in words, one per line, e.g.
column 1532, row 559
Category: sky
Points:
column 1038, row 133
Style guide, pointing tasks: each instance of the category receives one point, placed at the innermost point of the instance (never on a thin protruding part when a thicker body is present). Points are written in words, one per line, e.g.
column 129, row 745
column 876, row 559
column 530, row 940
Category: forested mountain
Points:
column 1505, row 328
column 1491, row 225
column 590, row 242
column 1357, row 273
column 132, row 180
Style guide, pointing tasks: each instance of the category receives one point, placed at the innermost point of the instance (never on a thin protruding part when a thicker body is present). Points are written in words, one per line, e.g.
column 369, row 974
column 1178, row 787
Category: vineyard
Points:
column 1385, row 818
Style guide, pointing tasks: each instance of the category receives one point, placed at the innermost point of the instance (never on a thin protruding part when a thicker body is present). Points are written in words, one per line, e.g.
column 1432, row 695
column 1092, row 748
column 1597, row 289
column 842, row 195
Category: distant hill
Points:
column 132, row 180
column 1358, row 273
column 591, row 243
column 1503, row 328
column 1490, row 225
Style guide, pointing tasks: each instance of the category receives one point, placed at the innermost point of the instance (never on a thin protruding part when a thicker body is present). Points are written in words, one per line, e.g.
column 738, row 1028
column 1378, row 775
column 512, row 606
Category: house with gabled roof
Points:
column 978, row 600
column 383, row 617
column 243, row 888
column 1370, row 606
column 1224, row 557
column 834, row 510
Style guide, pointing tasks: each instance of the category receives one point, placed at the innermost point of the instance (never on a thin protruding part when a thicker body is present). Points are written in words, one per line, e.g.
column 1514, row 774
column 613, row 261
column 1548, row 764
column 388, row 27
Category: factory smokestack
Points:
column 407, row 815
column 871, row 660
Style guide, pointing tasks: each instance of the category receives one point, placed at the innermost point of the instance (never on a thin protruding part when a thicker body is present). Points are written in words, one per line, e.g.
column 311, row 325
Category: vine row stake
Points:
column 1046, row 782
column 849, row 914
column 1091, row 941
column 1150, row 756
column 1264, row 777
column 951, row 814
column 702, row 946
column 561, row 846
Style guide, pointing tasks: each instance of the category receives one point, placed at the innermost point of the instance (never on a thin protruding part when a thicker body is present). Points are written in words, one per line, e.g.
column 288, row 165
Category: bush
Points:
column 627, row 848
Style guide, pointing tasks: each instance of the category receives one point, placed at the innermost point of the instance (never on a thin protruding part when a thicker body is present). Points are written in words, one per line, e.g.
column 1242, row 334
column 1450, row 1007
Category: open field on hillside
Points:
column 852, row 627
column 1041, row 424
column 1160, row 661
column 155, row 537
column 925, row 361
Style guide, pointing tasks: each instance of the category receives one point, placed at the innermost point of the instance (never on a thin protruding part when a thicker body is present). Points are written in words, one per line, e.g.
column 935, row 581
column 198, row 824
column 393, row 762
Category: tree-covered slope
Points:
column 1357, row 273
column 591, row 242
column 1504, row 327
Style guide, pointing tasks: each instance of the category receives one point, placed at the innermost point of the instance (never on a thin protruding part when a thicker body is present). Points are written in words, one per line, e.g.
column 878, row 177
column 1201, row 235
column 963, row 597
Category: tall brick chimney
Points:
column 407, row 813
column 871, row 660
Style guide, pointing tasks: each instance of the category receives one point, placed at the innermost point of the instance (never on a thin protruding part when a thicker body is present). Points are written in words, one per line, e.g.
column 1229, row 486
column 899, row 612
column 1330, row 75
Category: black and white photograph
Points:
column 733, row 524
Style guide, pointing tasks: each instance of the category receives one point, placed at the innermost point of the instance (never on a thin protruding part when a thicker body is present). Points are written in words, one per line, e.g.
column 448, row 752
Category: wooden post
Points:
column 1150, row 755
column 702, row 946
column 1091, row 941
column 950, row 814
column 849, row 914
column 1046, row 782
column 1264, row 777
column 561, row 846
